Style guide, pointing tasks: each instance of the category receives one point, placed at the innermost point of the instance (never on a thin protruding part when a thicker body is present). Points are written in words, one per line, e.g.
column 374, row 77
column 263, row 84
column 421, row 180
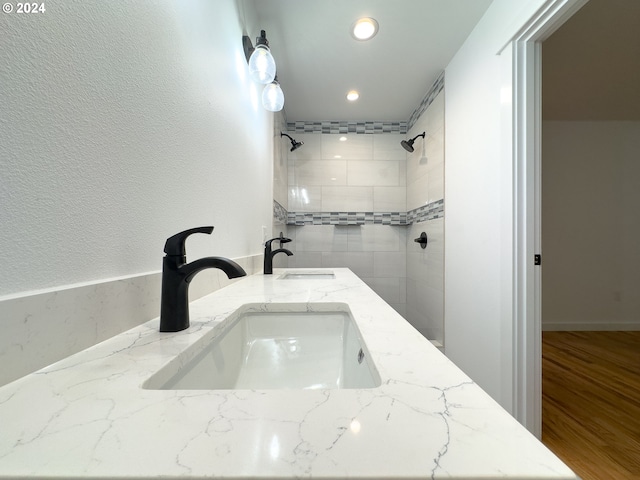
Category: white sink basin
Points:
column 275, row 346
column 307, row 276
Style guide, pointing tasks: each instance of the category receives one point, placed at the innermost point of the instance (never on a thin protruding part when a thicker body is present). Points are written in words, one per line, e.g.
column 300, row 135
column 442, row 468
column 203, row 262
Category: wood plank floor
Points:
column 591, row 402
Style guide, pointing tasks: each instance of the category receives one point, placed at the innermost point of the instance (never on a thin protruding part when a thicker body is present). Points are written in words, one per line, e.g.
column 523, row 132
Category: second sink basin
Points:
column 320, row 275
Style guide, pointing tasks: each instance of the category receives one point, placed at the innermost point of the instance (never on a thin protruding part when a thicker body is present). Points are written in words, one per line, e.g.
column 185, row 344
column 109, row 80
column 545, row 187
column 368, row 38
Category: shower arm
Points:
column 282, row 134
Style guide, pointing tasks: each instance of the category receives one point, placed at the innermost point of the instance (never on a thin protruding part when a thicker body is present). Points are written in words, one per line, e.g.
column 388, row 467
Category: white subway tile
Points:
column 361, row 263
column 418, row 194
column 305, row 259
column 321, row 172
column 390, row 264
column 386, row 146
column 436, row 183
column 434, row 115
column 389, row 199
column 355, row 147
column 305, row 199
column 347, row 199
column 377, row 238
column 373, row 172
column 321, row 238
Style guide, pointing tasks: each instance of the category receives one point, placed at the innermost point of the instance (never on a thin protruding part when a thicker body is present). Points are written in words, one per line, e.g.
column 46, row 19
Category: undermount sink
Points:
column 307, row 276
column 275, row 346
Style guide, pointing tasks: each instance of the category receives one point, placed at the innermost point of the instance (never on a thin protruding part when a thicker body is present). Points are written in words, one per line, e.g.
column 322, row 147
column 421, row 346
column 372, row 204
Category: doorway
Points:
column 527, row 128
column 590, row 189
column 590, row 174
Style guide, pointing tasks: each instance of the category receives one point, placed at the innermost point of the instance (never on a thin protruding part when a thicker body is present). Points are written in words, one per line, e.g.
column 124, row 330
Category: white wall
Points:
column 478, row 185
column 122, row 123
column 590, row 225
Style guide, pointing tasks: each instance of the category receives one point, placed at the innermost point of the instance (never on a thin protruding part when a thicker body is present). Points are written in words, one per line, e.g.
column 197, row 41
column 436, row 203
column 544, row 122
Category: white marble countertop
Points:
column 88, row 417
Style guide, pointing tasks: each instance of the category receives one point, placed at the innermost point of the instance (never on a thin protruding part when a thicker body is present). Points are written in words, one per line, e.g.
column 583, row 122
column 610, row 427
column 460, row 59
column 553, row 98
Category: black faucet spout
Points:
column 231, row 268
column 282, row 250
column 176, row 277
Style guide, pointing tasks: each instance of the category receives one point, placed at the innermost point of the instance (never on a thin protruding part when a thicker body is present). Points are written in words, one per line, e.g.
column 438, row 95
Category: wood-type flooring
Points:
column 591, row 402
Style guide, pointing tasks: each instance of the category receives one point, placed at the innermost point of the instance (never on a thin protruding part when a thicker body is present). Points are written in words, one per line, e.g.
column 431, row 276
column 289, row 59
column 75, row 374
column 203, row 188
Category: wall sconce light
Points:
column 294, row 144
column 262, row 66
column 408, row 144
column 273, row 97
column 262, row 69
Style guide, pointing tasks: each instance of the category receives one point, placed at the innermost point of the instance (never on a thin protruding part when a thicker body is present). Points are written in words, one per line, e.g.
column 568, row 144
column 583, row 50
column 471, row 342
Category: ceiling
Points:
column 318, row 60
column 591, row 64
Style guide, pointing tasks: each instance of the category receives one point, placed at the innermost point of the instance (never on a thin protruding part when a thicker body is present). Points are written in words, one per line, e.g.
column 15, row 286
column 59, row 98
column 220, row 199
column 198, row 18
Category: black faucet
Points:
column 269, row 254
column 177, row 274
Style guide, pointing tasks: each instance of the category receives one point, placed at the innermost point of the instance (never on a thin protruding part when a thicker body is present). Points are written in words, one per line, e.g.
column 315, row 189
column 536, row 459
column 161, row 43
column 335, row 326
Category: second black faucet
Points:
column 269, row 253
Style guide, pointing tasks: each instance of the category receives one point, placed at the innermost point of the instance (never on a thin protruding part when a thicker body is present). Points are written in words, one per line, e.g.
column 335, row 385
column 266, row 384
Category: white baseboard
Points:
column 591, row 326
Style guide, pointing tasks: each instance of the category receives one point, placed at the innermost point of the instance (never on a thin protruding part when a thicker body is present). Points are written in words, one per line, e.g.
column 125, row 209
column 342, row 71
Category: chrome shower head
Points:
column 408, row 144
column 294, row 144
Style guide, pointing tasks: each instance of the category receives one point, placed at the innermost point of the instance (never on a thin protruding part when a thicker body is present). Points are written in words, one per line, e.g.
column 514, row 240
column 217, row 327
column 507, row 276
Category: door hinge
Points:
column 537, row 259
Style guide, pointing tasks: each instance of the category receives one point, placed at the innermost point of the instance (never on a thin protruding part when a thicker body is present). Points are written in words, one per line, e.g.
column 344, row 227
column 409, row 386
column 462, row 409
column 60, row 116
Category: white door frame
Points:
column 527, row 141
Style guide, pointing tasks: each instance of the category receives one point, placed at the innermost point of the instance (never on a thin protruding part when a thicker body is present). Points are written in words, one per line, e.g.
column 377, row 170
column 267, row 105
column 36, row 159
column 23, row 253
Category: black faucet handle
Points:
column 283, row 239
column 175, row 243
column 277, row 239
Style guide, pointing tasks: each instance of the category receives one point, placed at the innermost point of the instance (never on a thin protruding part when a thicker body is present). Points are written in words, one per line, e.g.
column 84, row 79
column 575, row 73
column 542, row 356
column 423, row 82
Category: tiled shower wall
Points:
column 281, row 147
column 357, row 173
column 357, row 199
column 425, row 187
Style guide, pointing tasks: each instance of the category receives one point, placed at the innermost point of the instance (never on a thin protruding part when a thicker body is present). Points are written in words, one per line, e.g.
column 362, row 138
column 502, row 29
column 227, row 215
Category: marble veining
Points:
column 40, row 328
column 87, row 416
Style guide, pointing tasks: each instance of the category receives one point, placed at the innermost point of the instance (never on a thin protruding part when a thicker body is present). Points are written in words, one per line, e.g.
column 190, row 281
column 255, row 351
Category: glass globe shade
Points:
column 262, row 66
column 273, row 97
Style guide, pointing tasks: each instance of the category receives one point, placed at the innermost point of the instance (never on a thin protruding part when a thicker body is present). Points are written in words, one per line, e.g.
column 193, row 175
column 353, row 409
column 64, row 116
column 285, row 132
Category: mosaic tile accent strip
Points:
column 427, row 212
column 430, row 211
column 422, row 214
column 347, row 218
column 279, row 213
column 347, row 127
column 433, row 92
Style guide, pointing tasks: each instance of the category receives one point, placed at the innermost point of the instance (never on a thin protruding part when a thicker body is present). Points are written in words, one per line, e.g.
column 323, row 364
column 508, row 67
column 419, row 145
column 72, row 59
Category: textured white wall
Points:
column 590, row 225
column 121, row 124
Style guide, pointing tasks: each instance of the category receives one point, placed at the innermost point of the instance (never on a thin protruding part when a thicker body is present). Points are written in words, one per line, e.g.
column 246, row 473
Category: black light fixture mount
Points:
column 294, row 144
column 248, row 46
column 408, row 144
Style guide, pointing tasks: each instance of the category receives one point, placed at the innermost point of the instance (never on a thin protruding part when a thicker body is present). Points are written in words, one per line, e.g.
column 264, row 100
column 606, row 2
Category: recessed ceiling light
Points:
column 353, row 95
column 364, row 28
column 343, row 139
